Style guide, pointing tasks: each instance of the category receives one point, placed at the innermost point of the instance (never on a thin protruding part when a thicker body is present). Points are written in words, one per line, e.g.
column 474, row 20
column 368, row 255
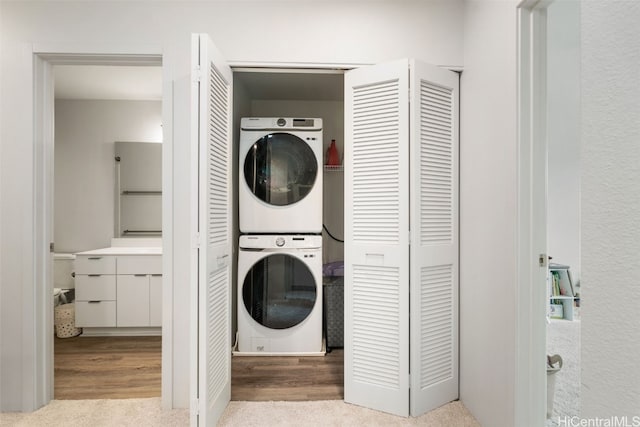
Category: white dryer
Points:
column 280, row 188
column 280, row 294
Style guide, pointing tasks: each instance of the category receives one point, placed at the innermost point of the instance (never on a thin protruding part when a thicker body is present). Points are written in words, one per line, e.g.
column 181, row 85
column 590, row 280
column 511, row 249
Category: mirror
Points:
column 138, row 189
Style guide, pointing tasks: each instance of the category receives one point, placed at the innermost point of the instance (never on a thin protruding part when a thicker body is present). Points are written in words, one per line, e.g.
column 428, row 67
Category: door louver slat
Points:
column 218, row 159
column 375, row 144
column 436, row 165
column 217, row 332
column 375, row 342
column 437, row 340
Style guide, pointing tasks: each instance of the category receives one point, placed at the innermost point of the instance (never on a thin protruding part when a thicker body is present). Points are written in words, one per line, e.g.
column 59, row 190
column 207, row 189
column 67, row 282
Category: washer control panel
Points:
column 283, row 241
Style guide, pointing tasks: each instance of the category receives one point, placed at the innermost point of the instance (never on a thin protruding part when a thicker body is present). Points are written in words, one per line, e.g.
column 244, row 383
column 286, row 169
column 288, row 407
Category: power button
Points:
column 281, row 122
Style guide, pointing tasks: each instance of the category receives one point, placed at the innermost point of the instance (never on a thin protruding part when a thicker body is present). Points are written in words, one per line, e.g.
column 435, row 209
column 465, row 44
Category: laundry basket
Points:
column 65, row 321
column 554, row 364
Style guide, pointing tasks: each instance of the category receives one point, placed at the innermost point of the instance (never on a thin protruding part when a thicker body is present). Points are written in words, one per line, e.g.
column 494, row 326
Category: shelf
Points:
column 561, row 297
column 331, row 168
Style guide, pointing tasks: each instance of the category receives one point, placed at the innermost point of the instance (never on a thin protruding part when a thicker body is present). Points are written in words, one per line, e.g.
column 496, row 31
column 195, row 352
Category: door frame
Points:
column 39, row 383
column 530, row 380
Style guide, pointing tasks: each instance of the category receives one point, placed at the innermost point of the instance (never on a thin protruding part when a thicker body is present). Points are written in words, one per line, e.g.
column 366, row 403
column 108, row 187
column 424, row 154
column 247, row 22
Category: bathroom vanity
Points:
column 119, row 291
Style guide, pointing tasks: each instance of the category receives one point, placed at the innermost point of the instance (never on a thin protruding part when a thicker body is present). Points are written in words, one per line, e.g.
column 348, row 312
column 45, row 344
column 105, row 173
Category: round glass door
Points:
column 279, row 291
column 280, row 169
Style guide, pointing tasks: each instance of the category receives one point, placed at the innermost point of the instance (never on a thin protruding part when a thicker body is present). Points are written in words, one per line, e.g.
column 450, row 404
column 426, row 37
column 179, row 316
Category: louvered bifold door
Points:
column 376, row 238
column 214, row 270
column 434, row 237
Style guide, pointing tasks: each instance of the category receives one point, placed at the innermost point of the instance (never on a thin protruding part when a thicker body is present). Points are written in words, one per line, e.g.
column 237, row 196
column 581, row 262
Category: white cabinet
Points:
column 155, row 300
column 118, row 291
column 139, row 278
column 95, row 291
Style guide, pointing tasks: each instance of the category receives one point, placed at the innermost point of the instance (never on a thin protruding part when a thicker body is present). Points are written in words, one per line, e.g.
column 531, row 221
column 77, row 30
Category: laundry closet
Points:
column 399, row 122
column 299, row 94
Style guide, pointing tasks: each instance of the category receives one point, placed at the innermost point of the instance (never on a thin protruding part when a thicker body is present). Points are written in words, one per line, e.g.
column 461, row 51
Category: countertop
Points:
column 124, row 250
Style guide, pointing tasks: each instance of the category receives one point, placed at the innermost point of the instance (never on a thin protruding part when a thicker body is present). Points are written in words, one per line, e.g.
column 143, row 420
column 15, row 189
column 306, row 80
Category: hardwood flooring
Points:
column 107, row 367
column 288, row 377
column 130, row 367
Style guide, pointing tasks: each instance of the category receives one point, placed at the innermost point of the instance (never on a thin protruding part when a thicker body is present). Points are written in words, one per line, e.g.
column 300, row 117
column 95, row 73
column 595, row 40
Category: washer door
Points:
column 279, row 291
column 280, row 169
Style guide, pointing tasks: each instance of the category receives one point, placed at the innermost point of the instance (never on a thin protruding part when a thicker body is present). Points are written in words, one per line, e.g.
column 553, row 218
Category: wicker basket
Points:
column 65, row 321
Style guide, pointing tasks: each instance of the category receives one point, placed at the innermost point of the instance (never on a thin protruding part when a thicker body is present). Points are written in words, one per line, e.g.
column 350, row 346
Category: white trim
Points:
column 530, row 373
column 38, row 376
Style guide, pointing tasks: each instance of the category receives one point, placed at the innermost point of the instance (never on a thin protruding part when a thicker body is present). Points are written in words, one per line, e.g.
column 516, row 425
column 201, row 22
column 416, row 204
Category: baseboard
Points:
column 120, row 332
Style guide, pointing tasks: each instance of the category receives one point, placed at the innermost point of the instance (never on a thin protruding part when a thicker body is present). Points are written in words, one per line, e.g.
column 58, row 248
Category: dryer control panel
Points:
column 282, row 123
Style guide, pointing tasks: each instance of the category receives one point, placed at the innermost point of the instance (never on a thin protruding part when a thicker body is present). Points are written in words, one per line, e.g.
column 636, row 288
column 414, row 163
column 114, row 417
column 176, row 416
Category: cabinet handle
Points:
column 156, row 275
column 139, row 275
column 93, row 302
column 94, row 258
column 94, row 275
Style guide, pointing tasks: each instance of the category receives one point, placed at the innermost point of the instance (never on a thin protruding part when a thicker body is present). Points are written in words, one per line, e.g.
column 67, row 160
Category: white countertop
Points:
column 125, row 250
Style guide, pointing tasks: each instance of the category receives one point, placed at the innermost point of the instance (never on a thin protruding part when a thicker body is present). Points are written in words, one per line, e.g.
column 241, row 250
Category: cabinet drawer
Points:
column 140, row 264
column 95, row 314
column 89, row 264
column 95, row 288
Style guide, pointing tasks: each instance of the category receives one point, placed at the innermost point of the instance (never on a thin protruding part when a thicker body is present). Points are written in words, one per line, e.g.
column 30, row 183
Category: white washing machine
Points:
column 280, row 189
column 280, row 294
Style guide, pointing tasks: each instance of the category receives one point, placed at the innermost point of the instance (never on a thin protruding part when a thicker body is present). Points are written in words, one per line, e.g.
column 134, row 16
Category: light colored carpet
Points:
column 148, row 412
column 563, row 338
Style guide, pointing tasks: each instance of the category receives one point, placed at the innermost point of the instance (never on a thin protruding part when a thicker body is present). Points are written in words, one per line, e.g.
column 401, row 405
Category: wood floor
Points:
column 288, row 377
column 107, row 367
column 130, row 367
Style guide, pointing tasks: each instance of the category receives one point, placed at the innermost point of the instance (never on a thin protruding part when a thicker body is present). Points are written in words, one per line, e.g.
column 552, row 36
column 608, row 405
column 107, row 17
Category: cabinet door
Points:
column 155, row 300
column 133, row 300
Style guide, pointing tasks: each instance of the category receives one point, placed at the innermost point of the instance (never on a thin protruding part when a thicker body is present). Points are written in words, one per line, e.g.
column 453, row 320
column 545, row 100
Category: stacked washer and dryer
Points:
column 280, row 247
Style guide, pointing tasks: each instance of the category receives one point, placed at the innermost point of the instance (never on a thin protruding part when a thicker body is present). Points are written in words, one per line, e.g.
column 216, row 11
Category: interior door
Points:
column 212, row 95
column 377, row 237
column 434, row 237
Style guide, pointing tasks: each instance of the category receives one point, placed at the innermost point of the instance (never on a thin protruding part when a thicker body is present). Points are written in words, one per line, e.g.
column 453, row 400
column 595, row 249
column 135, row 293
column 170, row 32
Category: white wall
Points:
column 488, row 212
column 610, row 208
column 286, row 31
column 85, row 132
column 563, row 122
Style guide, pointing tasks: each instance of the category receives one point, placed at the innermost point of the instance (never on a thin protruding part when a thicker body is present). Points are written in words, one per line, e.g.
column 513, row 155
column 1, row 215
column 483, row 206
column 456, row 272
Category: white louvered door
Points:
column 377, row 238
column 214, row 94
column 434, row 244
column 401, row 229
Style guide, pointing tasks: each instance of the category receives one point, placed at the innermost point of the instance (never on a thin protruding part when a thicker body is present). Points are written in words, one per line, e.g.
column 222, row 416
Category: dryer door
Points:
column 280, row 169
column 279, row 291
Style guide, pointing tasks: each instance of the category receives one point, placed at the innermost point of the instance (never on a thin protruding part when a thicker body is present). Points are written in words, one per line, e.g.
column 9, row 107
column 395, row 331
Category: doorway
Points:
column 563, row 205
column 548, row 145
column 299, row 93
column 44, row 193
column 108, row 132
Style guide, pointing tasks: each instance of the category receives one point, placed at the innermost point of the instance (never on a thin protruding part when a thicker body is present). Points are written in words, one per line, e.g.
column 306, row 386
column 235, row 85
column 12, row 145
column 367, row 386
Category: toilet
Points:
column 63, row 280
column 63, row 295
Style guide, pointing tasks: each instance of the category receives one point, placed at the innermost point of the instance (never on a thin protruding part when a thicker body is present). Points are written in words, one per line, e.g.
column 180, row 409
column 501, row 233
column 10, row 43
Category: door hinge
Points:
column 542, row 260
column 197, row 74
column 196, row 241
column 51, row 247
column 196, row 407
